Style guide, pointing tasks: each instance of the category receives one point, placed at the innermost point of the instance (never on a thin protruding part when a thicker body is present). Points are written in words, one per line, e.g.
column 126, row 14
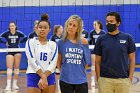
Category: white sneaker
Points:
column 15, row 87
column 8, row 88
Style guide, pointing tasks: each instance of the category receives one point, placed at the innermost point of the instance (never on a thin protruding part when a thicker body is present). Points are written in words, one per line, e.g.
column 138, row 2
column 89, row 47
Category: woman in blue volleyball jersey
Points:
column 84, row 32
column 42, row 59
column 94, row 34
column 12, row 38
column 74, row 54
column 34, row 33
column 57, row 34
column 98, row 31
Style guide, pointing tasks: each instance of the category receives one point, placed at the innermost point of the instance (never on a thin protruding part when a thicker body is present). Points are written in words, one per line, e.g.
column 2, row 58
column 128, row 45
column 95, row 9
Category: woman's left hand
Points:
column 43, row 83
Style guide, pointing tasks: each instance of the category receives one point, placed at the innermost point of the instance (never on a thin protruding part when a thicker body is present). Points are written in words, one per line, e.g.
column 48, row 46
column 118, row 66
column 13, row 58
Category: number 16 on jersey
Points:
column 43, row 56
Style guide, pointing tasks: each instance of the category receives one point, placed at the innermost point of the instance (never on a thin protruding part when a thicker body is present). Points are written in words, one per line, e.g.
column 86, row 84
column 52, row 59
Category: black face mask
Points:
column 111, row 27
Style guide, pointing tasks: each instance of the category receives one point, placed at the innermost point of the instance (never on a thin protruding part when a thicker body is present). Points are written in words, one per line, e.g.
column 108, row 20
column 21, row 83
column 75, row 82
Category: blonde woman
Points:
column 74, row 54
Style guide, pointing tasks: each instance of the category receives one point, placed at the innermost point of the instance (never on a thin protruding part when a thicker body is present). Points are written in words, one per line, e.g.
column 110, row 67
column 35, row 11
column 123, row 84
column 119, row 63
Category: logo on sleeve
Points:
column 123, row 41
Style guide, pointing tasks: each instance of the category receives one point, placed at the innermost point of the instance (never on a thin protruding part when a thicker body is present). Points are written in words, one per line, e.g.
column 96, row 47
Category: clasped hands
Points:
column 43, row 83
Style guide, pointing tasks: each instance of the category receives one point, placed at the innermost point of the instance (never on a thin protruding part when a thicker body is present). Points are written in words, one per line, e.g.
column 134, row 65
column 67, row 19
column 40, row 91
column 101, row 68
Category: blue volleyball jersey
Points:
column 74, row 59
column 114, row 50
column 55, row 38
column 32, row 34
column 13, row 40
column 94, row 36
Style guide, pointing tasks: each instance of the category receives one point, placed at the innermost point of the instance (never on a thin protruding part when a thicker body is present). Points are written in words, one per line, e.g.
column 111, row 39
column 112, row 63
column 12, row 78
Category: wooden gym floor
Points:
column 22, row 83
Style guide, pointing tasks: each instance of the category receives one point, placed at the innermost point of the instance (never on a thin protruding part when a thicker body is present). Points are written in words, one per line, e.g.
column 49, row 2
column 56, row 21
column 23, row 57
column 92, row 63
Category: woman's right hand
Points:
column 42, row 84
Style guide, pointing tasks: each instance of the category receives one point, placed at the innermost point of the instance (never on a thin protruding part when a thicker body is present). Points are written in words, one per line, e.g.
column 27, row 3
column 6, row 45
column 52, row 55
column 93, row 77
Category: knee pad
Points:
column 16, row 71
column 9, row 71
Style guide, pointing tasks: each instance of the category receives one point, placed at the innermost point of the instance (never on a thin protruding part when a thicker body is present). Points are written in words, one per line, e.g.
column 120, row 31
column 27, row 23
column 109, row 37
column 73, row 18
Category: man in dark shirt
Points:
column 114, row 51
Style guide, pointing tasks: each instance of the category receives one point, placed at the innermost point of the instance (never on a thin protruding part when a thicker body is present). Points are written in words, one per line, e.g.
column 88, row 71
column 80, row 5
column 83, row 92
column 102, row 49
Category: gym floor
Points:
column 22, row 83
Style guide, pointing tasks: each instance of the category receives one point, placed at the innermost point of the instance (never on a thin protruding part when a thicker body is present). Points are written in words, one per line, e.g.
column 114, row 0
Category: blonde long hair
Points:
column 78, row 33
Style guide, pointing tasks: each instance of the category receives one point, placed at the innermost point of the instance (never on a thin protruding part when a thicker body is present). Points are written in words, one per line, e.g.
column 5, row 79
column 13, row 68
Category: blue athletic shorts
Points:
column 33, row 79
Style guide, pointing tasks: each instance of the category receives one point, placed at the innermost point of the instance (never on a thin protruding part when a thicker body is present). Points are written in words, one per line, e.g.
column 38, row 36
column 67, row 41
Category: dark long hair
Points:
column 13, row 23
column 45, row 17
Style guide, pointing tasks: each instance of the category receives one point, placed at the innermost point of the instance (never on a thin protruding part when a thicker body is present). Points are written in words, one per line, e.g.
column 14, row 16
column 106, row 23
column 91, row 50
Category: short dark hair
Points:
column 117, row 16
